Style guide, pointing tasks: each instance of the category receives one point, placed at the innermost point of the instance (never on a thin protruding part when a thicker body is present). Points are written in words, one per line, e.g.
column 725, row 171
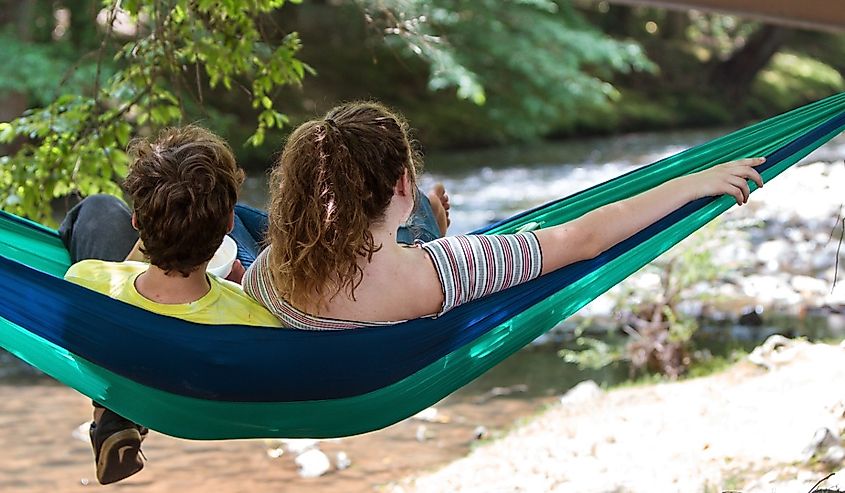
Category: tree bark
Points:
column 734, row 76
column 20, row 14
column 674, row 25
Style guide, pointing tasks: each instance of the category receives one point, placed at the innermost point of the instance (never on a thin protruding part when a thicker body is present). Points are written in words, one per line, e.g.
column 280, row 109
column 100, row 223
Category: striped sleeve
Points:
column 256, row 282
column 473, row 266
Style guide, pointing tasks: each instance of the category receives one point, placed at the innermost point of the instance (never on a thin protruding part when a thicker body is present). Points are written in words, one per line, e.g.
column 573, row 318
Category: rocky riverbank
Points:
column 771, row 423
column 777, row 253
column 752, row 428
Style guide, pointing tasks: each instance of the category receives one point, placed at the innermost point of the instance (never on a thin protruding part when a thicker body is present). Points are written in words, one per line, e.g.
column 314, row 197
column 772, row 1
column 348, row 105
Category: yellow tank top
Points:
column 225, row 303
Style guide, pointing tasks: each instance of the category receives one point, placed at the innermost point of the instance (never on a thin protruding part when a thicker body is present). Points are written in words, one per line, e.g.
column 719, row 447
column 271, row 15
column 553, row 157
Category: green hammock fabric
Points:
column 196, row 418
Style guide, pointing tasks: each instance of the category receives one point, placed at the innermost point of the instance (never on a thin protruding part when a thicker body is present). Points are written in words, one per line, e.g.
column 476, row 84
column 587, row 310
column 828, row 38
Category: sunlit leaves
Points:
column 530, row 61
column 75, row 144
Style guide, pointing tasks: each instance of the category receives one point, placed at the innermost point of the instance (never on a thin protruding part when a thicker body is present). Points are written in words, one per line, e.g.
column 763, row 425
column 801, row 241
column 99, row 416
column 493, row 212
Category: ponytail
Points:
column 332, row 183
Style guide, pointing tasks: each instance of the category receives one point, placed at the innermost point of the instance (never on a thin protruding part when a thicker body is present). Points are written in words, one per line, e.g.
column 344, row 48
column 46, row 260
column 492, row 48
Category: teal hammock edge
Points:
column 200, row 419
column 34, row 245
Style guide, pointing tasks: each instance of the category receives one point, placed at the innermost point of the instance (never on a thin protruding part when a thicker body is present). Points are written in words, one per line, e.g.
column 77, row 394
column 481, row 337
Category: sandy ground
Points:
column 39, row 454
column 742, row 429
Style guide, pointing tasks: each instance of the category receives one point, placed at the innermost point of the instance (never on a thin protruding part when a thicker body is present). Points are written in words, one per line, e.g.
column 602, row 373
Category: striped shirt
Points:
column 468, row 266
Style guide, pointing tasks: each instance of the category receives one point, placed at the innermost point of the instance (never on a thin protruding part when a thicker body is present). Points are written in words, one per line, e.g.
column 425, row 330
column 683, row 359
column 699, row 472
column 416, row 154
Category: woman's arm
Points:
column 598, row 230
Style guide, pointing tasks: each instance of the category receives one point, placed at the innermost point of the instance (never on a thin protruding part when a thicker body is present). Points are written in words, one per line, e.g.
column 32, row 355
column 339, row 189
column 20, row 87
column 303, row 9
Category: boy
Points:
column 183, row 186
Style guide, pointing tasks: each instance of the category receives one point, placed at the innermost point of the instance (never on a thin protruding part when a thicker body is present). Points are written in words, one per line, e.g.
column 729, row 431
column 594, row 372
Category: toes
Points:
column 439, row 191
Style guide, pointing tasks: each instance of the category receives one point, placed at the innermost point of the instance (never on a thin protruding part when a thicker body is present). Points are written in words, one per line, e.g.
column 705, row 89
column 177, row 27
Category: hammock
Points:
column 219, row 382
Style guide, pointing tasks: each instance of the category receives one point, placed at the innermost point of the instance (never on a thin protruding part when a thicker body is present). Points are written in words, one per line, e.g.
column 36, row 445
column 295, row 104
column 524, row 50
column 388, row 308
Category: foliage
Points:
column 534, row 62
column 791, row 78
column 660, row 331
column 38, row 69
column 521, row 69
column 719, row 35
column 73, row 143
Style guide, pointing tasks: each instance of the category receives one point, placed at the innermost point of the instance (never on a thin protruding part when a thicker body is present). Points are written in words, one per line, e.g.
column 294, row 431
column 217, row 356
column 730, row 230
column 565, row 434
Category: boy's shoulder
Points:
column 93, row 273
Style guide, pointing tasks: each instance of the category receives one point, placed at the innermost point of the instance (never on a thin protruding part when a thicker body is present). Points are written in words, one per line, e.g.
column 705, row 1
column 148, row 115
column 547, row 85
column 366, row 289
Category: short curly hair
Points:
column 184, row 186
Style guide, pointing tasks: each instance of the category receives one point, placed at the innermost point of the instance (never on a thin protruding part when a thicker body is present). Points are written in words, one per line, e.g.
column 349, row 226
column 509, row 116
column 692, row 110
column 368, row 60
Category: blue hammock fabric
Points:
column 185, row 367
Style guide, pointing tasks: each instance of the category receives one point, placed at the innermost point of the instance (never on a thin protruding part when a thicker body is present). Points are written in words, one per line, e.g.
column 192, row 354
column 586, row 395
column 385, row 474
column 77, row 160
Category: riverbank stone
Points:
column 585, row 391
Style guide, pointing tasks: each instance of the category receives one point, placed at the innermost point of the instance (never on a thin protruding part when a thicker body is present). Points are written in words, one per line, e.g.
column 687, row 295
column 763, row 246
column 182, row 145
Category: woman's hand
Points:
column 728, row 178
column 236, row 275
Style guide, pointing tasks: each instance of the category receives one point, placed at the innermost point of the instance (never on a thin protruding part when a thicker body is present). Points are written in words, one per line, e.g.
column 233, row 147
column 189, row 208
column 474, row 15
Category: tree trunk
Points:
column 20, row 14
column 619, row 18
column 84, row 33
column 674, row 25
column 734, row 76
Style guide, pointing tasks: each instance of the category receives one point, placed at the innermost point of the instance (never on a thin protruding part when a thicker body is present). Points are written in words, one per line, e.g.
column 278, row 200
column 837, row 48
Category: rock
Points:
column 313, row 463
column 838, row 408
column 770, row 477
column 501, row 391
column 275, row 453
column 752, row 316
column 691, row 308
column 776, row 350
column 422, row 433
column 769, row 288
column 835, row 297
column 300, row 445
column 809, row 286
column 342, row 461
column 834, row 456
column 81, row 432
column 645, row 281
column 795, row 235
column 823, row 439
column 480, row 432
column 771, row 253
column 585, row 391
column 431, row 415
column 275, row 447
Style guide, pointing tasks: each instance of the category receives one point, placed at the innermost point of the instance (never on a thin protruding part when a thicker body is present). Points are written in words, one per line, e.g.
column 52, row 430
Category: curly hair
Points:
column 184, row 186
column 332, row 182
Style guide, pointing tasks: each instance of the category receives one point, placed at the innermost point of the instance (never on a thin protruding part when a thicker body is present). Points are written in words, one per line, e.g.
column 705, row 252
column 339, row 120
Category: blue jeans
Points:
column 251, row 228
column 99, row 227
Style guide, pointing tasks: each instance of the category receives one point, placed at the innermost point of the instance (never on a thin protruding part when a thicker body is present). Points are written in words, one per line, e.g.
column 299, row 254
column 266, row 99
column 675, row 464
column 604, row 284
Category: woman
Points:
column 344, row 184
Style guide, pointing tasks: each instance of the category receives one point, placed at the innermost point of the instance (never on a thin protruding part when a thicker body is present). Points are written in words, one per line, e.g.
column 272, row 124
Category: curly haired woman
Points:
column 343, row 186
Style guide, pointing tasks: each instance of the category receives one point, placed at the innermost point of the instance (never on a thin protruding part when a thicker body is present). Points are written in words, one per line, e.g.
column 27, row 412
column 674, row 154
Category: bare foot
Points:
column 440, row 205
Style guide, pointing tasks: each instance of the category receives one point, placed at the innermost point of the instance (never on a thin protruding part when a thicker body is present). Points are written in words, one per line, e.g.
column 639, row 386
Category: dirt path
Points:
column 741, row 429
column 39, row 455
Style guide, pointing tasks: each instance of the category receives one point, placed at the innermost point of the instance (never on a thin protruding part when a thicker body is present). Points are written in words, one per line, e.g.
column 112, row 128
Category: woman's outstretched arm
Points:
column 598, row 230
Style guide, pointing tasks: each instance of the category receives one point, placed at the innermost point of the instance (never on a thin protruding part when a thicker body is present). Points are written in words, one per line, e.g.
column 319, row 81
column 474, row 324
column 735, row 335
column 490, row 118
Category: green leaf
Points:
column 122, row 132
column 7, row 132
